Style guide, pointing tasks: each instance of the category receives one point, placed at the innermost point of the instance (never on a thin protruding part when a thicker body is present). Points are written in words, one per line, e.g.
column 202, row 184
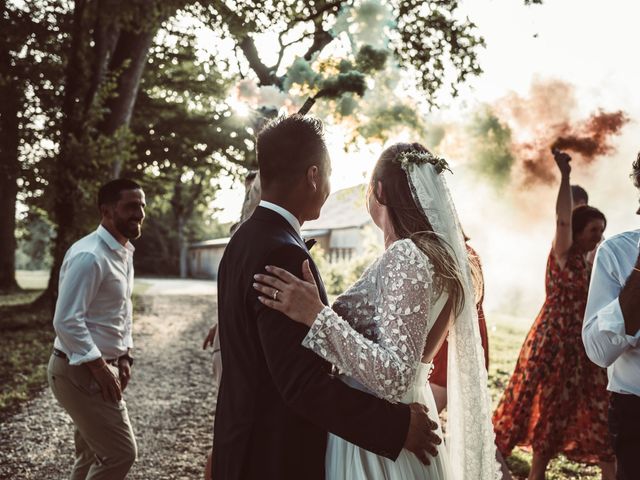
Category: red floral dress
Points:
column 556, row 401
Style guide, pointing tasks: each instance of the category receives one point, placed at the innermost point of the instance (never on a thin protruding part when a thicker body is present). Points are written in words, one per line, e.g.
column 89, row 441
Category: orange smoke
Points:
column 591, row 138
column 545, row 119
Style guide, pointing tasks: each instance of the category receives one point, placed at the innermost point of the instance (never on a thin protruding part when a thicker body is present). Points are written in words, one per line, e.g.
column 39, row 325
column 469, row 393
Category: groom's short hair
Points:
column 288, row 146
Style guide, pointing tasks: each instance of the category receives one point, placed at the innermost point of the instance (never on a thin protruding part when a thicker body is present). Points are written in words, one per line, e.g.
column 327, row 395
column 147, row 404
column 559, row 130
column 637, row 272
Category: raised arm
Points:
column 387, row 367
column 564, row 206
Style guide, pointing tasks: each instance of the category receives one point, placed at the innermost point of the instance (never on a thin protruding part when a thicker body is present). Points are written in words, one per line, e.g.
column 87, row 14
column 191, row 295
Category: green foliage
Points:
column 384, row 120
column 23, row 365
column 73, row 64
column 430, row 39
column 34, row 237
column 25, row 346
column 186, row 135
column 341, row 275
column 352, row 81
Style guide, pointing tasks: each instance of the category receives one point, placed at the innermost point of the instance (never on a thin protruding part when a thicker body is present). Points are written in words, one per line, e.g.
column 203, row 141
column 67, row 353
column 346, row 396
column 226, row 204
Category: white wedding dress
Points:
column 375, row 334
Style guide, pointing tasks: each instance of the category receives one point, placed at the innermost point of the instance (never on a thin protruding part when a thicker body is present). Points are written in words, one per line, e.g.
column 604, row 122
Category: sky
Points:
column 588, row 44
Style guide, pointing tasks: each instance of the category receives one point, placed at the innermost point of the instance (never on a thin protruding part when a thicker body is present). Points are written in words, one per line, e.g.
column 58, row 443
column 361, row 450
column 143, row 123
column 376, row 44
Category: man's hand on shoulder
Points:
column 421, row 438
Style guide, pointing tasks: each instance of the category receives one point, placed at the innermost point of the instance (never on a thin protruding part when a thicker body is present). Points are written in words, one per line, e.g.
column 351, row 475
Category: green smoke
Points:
column 370, row 59
column 382, row 122
column 491, row 153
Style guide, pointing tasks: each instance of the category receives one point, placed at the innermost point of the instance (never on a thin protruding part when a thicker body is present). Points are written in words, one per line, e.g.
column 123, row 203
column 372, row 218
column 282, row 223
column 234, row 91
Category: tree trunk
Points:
column 130, row 56
column 182, row 247
column 105, row 35
column 64, row 185
column 9, row 172
column 128, row 59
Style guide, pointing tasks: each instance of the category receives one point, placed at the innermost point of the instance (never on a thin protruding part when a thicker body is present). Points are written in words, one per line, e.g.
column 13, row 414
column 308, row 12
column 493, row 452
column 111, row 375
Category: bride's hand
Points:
column 298, row 299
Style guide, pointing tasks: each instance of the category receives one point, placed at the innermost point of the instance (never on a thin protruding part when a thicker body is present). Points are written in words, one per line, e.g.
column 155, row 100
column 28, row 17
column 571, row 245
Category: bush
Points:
column 341, row 275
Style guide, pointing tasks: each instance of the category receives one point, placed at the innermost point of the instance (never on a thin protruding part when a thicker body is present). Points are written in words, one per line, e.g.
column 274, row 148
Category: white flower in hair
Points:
column 415, row 157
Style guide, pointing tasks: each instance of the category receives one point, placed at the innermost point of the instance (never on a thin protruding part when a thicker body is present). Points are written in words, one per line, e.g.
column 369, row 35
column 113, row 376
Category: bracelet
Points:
column 636, row 269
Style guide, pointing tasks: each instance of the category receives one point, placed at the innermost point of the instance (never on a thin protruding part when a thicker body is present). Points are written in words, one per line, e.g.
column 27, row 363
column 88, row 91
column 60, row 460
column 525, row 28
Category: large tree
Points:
column 30, row 84
column 105, row 49
column 108, row 47
column 186, row 134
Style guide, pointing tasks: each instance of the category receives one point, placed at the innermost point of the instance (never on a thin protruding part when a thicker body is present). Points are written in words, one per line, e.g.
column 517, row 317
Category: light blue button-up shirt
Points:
column 603, row 330
column 93, row 316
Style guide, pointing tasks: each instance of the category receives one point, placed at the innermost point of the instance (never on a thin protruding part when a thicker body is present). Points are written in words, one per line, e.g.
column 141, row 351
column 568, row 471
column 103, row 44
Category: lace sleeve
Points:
column 355, row 305
column 387, row 367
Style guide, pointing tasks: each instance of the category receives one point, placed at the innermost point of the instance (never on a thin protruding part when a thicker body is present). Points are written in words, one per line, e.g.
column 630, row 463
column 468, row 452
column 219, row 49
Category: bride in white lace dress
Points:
column 383, row 332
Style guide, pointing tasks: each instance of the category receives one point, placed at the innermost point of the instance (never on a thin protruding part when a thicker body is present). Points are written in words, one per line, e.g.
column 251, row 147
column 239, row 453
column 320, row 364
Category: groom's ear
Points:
column 379, row 191
column 313, row 177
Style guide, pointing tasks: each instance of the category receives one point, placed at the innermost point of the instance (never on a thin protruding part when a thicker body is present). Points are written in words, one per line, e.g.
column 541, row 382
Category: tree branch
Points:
column 106, row 37
column 284, row 46
column 321, row 38
column 234, row 23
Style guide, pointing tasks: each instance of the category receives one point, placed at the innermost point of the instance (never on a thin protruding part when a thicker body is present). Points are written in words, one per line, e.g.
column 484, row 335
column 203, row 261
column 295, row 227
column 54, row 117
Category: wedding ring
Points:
column 275, row 296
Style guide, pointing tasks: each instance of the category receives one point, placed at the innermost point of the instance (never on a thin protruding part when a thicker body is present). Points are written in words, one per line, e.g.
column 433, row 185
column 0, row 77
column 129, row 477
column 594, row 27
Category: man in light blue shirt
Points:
column 611, row 336
column 91, row 362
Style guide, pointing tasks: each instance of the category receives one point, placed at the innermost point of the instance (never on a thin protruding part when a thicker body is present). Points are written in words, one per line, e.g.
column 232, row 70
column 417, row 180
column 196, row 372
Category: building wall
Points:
column 205, row 261
column 339, row 245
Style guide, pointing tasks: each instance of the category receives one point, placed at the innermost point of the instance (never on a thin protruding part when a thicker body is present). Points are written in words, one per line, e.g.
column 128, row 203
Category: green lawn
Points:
column 32, row 279
column 506, row 334
column 25, row 344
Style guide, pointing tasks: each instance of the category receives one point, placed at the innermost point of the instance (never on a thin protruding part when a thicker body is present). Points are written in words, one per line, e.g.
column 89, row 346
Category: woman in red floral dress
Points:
column 556, row 401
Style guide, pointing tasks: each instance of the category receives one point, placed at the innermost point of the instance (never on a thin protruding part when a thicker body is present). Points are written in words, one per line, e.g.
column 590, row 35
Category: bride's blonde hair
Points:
column 409, row 219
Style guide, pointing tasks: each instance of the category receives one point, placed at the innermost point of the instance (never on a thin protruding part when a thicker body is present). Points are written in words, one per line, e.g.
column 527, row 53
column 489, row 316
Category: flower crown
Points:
column 420, row 158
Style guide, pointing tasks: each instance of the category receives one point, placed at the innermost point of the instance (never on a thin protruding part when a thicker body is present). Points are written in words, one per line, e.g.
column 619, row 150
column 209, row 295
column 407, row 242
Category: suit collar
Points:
column 274, row 218
column 288, row 216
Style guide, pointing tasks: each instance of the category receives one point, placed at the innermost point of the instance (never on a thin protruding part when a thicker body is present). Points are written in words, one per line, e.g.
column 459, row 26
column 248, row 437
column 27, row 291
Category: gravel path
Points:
column 170, row 400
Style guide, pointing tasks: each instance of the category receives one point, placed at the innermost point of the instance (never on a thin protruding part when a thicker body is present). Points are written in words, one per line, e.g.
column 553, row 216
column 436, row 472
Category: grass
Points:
column 506, row 335
column 25, row 346
column 32, row 279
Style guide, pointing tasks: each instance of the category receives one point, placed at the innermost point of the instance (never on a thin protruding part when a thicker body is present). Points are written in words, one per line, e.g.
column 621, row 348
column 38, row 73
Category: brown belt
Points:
column 61, row 354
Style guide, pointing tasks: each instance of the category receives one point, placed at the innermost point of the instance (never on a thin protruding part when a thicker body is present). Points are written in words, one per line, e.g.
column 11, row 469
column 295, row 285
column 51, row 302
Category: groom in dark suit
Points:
column 278, row 400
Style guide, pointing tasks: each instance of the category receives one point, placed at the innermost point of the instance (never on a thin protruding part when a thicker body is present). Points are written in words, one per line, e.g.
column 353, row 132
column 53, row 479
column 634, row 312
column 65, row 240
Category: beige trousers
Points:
column 105, row 444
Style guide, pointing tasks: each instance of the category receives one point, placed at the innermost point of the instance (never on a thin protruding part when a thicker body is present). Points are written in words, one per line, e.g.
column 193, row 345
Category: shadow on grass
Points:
column 25, row 346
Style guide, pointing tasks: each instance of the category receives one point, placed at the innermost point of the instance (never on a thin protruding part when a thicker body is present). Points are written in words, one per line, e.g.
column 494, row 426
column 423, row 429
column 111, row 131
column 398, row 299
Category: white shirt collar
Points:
column 111, row 242
column 288, row 216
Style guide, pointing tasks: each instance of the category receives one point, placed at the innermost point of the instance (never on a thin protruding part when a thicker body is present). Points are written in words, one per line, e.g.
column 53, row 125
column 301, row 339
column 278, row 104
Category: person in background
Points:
column 91, row 362
column 579, row 196
column 611, row 336
column 556, row 400
column 438, row 377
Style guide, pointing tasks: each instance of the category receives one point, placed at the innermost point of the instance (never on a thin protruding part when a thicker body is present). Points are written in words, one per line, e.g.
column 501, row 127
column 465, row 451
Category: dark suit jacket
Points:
column 277, row 399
